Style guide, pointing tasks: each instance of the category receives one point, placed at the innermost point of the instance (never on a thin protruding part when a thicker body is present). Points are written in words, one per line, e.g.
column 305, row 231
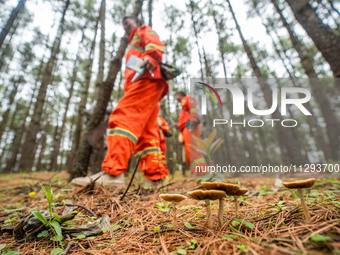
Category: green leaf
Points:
column 12, row 253
column 57, row 217
column 55, row 224
column 170, row 225
column 91, row 237
column 159, row 205
column 188, row 225
column 40, row 217
column 228, row 238
column 80, row 237
column 236, row 222
column 157, row 228
column 10, row 220
column 181, row 252
column 56, row 238
column 43, row 234
column 319, row 238
column 242, row 247
column 192, row 244
column 165, row 209
column 57, row 251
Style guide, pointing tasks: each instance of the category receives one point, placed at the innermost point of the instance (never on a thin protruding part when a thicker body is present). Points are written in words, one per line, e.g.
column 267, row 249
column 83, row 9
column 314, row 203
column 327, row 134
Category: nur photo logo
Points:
column 284, row 102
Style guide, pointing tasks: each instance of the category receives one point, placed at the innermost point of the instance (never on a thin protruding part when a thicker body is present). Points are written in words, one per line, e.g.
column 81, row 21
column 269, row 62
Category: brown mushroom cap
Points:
column 229, row 189
column 172, row 197
column 207, row 194
column 241, row 192
column 300, row 184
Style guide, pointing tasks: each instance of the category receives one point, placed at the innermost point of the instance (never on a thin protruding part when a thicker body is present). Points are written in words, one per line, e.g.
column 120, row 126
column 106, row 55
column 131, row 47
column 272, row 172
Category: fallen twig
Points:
column 82, row 206
column 68, row 247
column 132, row 177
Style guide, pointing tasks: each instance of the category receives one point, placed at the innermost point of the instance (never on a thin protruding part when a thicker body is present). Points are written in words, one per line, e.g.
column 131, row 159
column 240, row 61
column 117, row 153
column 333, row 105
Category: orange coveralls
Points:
column 131, row 124
column 161, row 127
column 189, row 109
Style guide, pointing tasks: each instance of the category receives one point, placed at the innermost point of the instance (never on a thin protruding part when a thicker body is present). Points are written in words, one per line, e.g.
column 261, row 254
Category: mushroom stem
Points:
column 173, row 205
column 209, row 219
column 304, row 206
column 236, row 204
column 220, row 212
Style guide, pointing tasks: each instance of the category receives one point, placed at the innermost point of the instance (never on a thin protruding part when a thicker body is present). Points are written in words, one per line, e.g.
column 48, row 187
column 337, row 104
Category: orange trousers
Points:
column 131, row 129
column 194, row 157
column 162, row 146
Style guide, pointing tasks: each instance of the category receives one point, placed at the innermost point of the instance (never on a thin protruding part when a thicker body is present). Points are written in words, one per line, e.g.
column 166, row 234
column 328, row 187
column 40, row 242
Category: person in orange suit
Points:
column 163, row 130
column 131, row 124
column 189, row 125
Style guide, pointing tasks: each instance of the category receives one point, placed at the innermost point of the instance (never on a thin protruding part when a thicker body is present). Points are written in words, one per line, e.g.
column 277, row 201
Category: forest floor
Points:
column 268, row 222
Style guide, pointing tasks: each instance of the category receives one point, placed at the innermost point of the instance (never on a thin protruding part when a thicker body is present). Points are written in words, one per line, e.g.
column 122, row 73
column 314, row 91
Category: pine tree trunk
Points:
column 324, row 38
column 236, row 153
column 27, row 158
column 150, row 12
column 42, row 142
column 5, row 116
column 10, row 21
column 284, row 134
column 16, row 142
column 82, row 104
column 8, row 46
column 318, row 91
column 81, row 163
column 312, row 120
column 100, row 76
column 194, row 24
column 99, row 154
column 57, row 141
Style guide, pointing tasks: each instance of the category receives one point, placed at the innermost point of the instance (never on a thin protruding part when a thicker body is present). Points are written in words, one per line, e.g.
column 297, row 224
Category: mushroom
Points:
column 229, row 189
column 173, row 198
column 207, row 195
column 299, row 185
column 238, row 193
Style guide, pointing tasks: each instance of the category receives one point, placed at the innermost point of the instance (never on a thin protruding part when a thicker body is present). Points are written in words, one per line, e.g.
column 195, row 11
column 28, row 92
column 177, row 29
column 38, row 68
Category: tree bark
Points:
column 81, row 163
column 27, row 158
column 10, row 21
column 327, row 42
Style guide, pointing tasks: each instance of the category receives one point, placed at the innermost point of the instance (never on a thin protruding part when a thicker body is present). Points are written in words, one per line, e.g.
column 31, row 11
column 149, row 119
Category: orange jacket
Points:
column 145, row 43
column 188, row 110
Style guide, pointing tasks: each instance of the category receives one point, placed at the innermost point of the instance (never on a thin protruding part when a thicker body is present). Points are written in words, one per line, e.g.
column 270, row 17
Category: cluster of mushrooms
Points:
column 219, row 190
column 213, row 191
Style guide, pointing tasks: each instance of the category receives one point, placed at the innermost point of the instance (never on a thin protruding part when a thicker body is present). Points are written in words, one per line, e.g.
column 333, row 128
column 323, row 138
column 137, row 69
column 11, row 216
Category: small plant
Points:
column 229, row 237
column 192, row 244
column 242, row 247
column 54, row 220
column 181, row 251
column 246, row 224
column 188, row 225
column 163, row 207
